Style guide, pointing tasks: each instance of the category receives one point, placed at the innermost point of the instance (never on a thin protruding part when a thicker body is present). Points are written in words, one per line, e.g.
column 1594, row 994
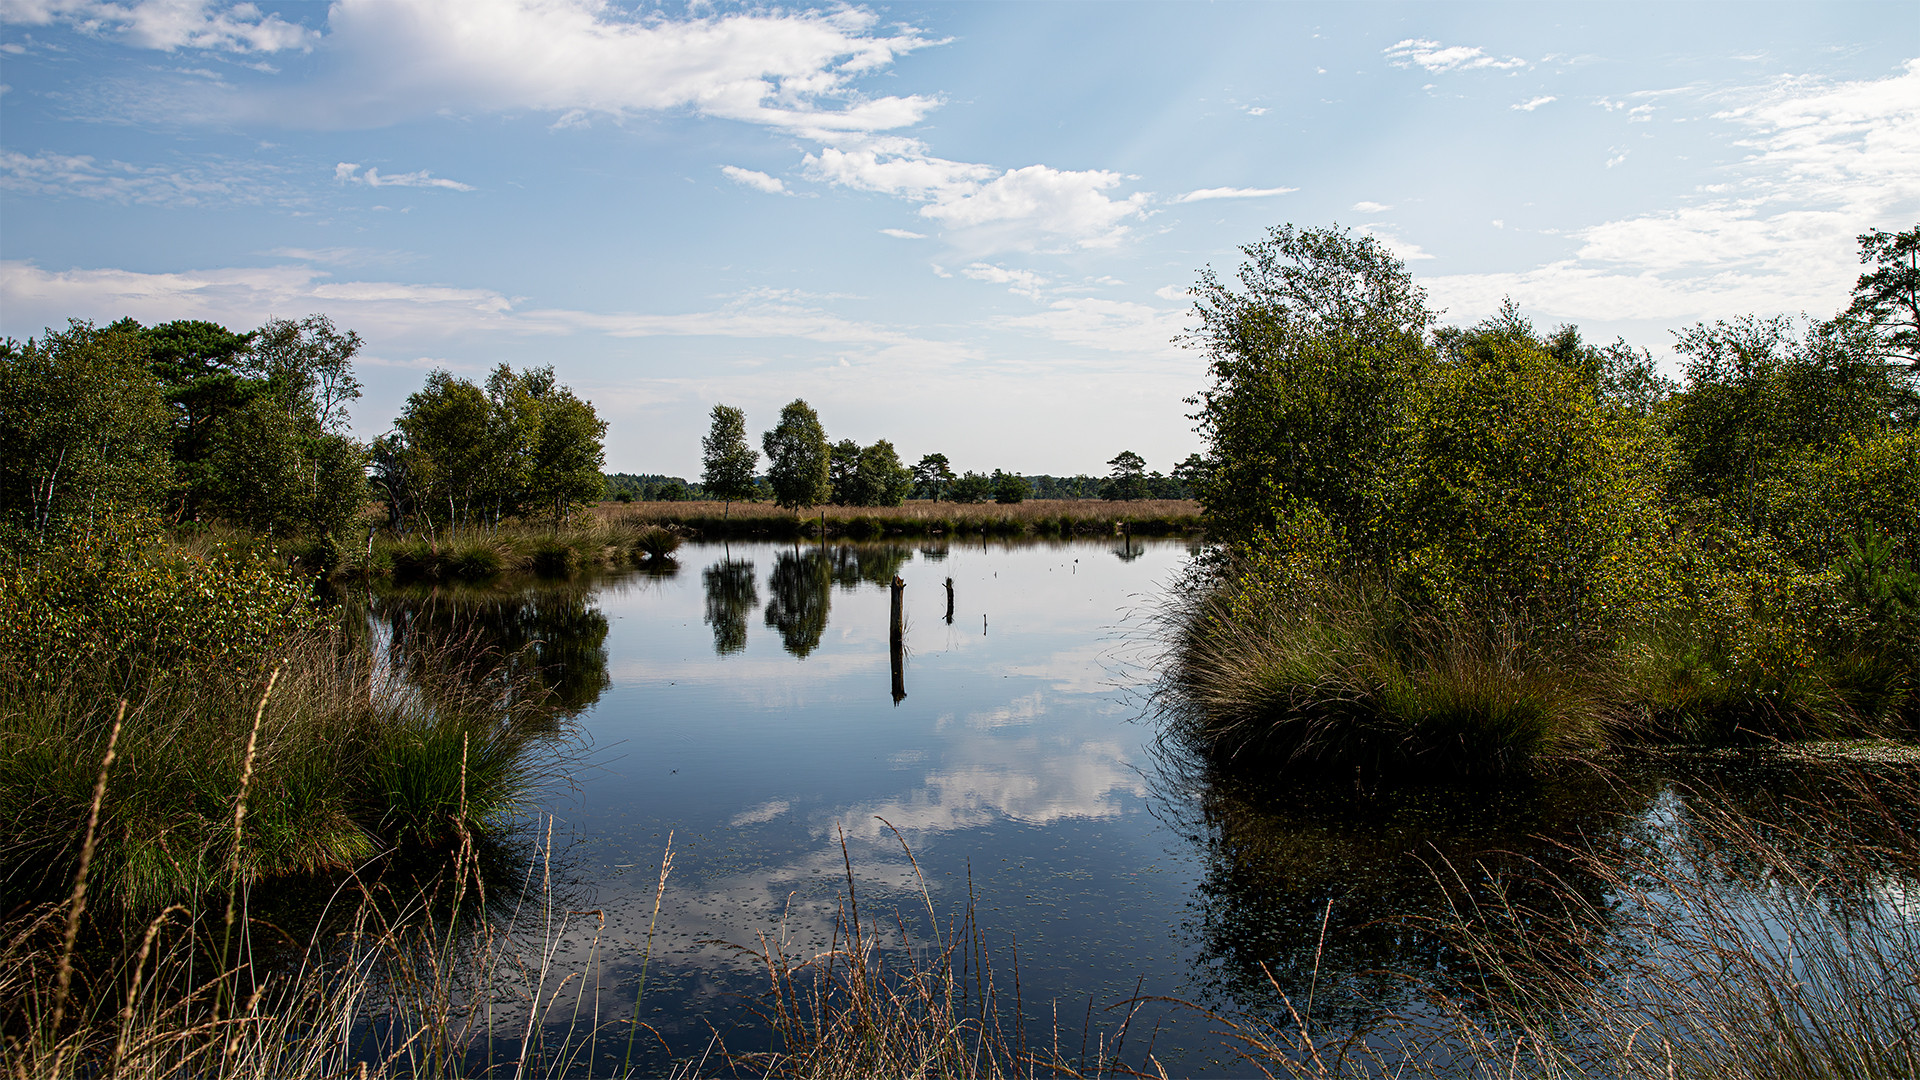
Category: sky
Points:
column 968, row 228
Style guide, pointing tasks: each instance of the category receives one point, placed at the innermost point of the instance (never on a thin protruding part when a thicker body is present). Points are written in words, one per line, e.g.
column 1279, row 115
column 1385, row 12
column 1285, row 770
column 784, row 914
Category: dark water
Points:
column 747, row 702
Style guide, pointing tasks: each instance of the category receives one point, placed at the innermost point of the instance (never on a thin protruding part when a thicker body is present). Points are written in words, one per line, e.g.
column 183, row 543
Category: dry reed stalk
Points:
column 240, row 818
column 63, row 981
column 646, row 956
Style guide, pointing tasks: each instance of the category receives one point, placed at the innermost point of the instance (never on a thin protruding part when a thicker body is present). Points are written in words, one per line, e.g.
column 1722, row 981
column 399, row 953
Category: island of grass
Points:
column 1449, row 552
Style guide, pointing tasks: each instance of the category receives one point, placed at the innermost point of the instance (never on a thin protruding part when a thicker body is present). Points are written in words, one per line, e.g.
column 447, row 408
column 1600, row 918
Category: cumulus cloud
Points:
column 758, row 181
column 903, row 234
column 1021, row 208
column 1372, row 207
column 1436, row 57
column 387, row 60
column 1203, row 194
column 1534, row 103
column 168, row 24
column 349, row 173
column 1825, row 161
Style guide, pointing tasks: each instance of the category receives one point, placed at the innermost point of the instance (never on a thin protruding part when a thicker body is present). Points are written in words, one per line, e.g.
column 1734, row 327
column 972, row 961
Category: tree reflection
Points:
column 1380, row 873
column 801, row 588
column 875, row 564
column 732, row 593
column 542, row 644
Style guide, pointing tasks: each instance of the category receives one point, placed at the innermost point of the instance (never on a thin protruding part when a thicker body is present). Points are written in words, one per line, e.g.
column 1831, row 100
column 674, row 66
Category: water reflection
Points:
column 733, row 591
column 544, row 643
column 1379, row 872
column 875, row 564
column 802, row 593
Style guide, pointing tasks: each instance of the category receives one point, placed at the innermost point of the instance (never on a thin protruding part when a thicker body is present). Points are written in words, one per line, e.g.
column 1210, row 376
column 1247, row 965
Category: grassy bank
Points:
column 1034, row 517
column 480, row 554
column 254, row 736
column 1278, row 667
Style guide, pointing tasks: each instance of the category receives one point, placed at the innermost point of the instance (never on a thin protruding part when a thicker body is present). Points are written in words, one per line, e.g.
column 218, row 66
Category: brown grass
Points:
column 916, row 518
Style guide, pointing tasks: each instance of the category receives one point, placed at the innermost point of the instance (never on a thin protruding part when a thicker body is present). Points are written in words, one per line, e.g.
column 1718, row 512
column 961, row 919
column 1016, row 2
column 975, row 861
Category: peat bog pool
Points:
column 746, row 702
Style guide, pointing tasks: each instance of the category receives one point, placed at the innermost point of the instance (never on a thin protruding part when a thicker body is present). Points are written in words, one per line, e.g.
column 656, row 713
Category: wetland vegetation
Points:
column 1523, row 714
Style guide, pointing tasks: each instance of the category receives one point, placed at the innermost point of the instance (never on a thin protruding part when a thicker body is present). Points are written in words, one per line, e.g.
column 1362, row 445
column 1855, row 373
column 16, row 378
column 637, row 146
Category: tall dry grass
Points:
column 1039, row 517
column 431, row 980
column 1316, row 673
column 882, row 1000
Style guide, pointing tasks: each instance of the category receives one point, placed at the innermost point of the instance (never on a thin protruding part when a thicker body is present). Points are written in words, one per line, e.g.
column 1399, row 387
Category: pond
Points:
column 748, row 703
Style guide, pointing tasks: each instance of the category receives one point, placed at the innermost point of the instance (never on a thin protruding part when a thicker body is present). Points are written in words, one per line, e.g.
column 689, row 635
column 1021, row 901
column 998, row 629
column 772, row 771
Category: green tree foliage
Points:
column 524, row 446
column 843, row 466
column 879, row 479
column 202, row 367
column 1515, row 490
column 932, row 476
column 1889, row 295
column 798, row 458
column 1313, row 360
column 84, row 427
column 1515, row 531
column 726, row 460
column 971, row 487
column 1762, row 393
column 1127, row 478
column 564, row 466
column 1010, row 488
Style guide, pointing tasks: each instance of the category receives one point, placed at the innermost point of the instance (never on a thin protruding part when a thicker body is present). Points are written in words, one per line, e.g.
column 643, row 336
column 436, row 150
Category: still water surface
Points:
column 746, row 702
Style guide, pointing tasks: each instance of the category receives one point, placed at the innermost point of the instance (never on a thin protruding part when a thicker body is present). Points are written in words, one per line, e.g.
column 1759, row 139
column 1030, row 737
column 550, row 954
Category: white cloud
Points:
column 1109, row 325
column 1434, row 56
column 168, row 24
column 387, row 60
column 1372, row 207
column 343, row 256
column 1529, row 106
column 1405, row 250
column 83, row 176
column 991, row 209
column 349, row 173
column 1825, row 162
column 902, row 234
column 1173, row 292
column 1203, row 194
column 758, row 181
column 31, row 297
column 1023, row 282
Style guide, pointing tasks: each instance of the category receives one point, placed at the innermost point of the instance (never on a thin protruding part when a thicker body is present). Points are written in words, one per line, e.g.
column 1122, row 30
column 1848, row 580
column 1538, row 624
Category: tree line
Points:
column 195, row 422
column 805, row 469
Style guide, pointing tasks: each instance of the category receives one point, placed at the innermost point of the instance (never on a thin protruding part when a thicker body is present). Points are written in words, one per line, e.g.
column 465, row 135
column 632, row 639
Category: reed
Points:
column 1035, row 517
column 1723, row 942
column 881, row 1001
column 1325, row 672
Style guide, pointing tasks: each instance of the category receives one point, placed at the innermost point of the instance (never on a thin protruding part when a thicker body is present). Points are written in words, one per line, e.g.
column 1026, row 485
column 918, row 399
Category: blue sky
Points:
column 964, row 227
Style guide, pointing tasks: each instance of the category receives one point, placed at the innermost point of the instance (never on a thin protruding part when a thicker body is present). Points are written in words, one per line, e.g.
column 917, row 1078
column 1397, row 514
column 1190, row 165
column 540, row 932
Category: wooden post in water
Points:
column 896, row 640
column 949, row 601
